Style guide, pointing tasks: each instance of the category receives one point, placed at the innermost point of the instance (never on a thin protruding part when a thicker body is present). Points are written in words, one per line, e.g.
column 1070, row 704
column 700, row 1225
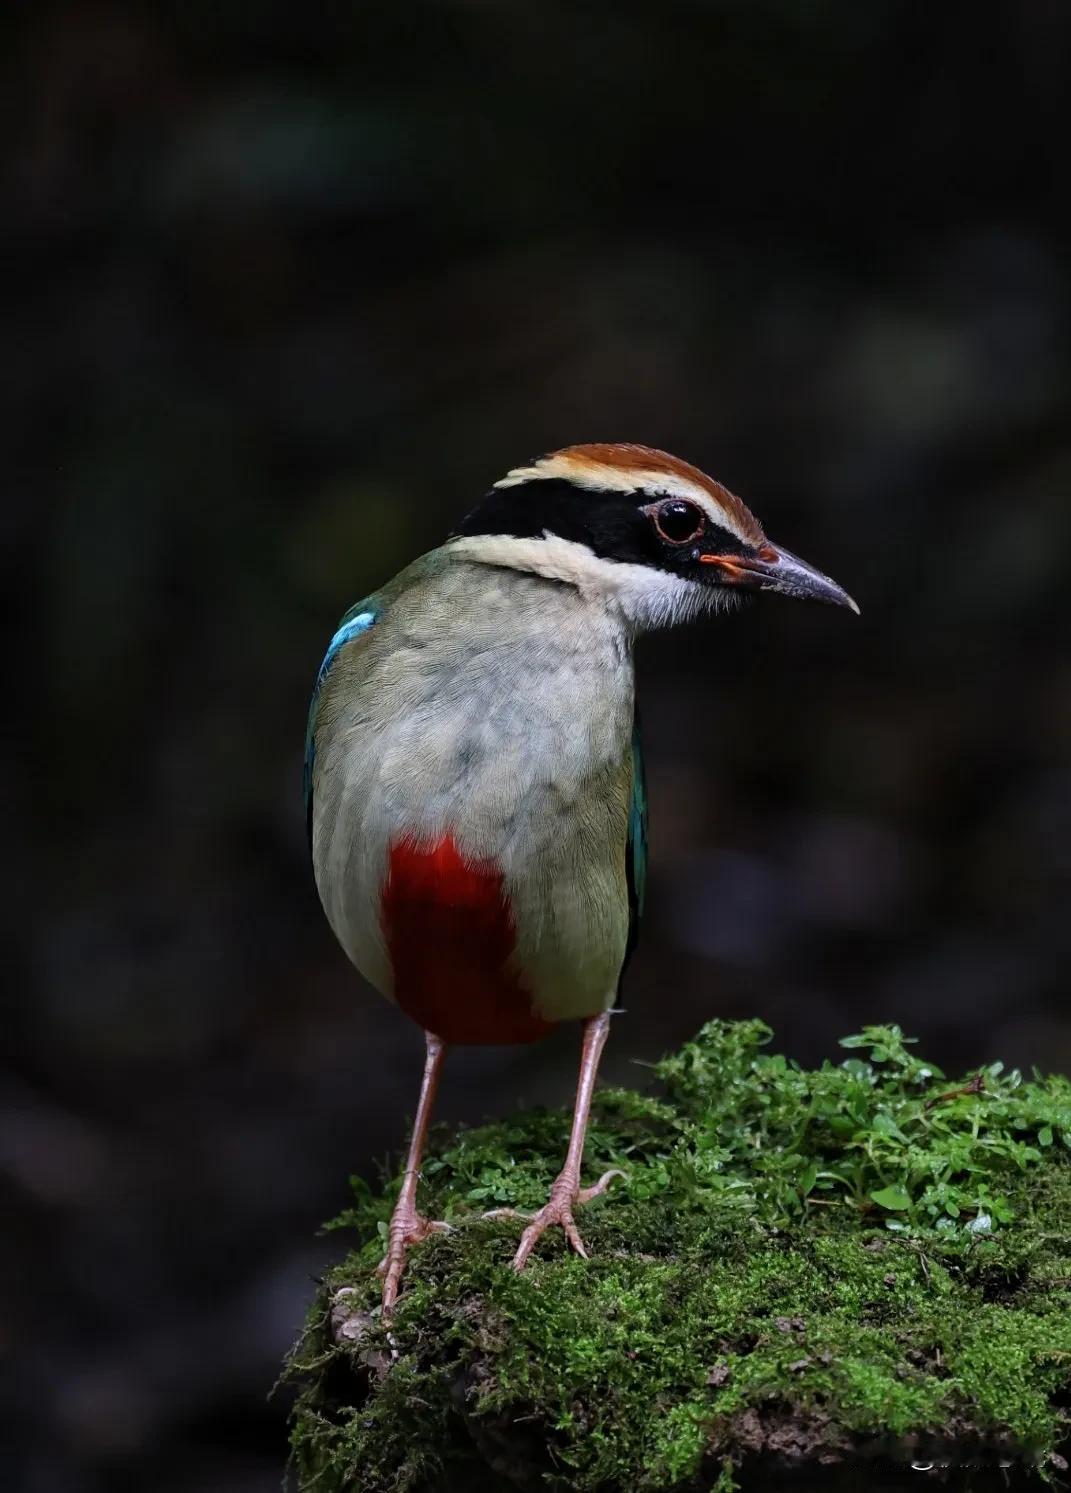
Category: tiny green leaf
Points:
column 894, row 1198
column 884, row 1124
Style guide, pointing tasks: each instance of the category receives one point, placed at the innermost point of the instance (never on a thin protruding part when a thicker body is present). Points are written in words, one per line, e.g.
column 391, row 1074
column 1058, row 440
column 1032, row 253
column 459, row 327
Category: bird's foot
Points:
column 407, row 1227
column 565, row 1195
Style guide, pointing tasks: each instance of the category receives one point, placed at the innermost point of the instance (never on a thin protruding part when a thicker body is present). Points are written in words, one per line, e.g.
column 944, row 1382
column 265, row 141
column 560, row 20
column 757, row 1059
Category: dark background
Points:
column 287, row 287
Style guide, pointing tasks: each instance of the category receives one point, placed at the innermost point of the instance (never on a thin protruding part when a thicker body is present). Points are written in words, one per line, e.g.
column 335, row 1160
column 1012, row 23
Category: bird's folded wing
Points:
column 353, row 626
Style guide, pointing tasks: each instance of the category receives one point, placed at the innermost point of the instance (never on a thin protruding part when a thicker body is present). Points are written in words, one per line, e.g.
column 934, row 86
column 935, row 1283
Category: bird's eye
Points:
column 678, row 521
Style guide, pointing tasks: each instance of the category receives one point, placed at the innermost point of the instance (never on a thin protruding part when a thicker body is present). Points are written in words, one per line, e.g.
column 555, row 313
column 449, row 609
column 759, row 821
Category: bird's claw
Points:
column 557, row 1211
column 407, row 1227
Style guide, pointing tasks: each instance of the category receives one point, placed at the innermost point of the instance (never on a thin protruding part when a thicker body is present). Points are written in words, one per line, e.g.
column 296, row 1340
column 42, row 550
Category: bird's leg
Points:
column 407, row 1226
column 566, row 1192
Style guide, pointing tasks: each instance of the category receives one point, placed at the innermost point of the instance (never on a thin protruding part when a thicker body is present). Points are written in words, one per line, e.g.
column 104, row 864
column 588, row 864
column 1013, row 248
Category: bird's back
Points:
column 471, row 795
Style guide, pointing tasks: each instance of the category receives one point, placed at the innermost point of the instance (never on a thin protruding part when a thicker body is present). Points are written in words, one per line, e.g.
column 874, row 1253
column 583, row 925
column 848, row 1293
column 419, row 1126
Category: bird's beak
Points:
column 772, row 569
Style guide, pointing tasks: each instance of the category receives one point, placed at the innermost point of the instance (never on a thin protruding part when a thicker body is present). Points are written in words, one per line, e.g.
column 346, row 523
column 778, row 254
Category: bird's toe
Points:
column 586, row 1194
column 558, row 1212
column 406, row 1229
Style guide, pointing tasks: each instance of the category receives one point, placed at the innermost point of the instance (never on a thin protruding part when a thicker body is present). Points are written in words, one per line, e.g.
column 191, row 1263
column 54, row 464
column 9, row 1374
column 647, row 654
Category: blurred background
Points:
column 286, row 288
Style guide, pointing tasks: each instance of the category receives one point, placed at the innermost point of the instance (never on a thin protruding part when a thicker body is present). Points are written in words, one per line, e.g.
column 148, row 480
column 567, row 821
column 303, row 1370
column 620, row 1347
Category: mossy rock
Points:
column 800, row 1269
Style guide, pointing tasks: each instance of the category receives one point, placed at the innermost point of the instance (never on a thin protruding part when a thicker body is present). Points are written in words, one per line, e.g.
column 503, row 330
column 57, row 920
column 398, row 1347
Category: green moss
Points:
column 799, row 1265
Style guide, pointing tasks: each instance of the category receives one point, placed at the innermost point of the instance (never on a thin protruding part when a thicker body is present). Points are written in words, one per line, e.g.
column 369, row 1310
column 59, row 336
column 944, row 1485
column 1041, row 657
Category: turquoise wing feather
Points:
column 636, row 849
column 357, row 620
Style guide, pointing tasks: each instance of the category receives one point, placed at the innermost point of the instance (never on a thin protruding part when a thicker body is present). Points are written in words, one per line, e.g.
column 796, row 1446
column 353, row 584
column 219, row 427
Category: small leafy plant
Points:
column 882, row 1132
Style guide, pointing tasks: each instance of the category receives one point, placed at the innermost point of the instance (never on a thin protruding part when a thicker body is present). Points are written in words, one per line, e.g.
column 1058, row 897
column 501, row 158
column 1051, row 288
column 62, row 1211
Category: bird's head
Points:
column 637, row 529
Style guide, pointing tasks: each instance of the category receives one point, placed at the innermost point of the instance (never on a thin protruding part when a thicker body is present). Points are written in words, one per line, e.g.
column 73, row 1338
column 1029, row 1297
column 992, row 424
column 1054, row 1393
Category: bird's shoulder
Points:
column 347, row 658
column 351, row 633
column 349, row 636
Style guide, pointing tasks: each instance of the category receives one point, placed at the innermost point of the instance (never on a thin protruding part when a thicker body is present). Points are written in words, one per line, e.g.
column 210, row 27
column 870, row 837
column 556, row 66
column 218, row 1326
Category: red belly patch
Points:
column 450, row 935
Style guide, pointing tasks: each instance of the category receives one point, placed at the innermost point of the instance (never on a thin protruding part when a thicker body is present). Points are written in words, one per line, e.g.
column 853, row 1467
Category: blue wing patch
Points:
column 356, row 621
column 636, row 849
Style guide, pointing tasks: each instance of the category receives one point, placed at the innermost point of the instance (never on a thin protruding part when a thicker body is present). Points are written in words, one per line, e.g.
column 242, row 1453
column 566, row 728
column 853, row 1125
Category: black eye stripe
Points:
column 614, row 525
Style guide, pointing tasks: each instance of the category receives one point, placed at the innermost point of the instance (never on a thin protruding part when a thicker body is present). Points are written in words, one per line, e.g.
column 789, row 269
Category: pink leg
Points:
column 407, row 1226
column 566, row 1192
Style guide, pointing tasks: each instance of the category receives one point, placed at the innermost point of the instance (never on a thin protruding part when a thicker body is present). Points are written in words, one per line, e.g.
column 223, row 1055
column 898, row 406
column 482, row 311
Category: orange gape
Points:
column 451, row 936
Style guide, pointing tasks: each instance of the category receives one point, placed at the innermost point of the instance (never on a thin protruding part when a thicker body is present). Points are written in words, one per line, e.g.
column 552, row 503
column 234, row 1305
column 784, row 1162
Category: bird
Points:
column 474, row 781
